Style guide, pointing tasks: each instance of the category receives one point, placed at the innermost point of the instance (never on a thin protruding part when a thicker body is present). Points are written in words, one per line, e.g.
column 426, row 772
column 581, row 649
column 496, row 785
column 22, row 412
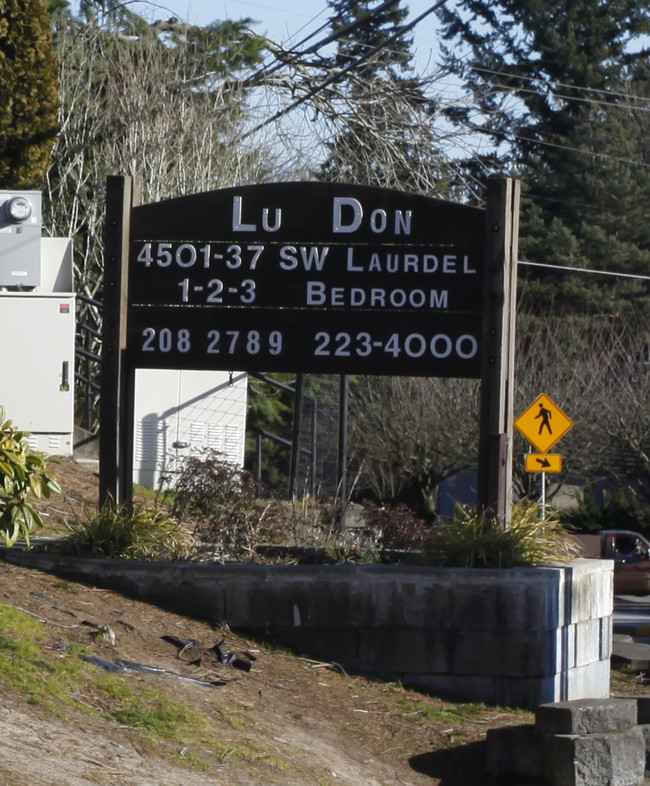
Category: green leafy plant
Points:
column 474, row 541
column 116, row 532
column 23, row 476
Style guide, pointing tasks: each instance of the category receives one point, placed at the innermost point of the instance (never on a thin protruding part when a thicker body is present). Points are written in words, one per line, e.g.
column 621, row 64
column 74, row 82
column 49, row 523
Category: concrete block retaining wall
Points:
column 518, row 638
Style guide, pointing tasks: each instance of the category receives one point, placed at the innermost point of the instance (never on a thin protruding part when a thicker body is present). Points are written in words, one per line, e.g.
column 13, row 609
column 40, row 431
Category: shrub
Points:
column 472, row 541
column 224, row 503
column 23, row 474
column 618, row 512
column 394, row 526
column 116, row 532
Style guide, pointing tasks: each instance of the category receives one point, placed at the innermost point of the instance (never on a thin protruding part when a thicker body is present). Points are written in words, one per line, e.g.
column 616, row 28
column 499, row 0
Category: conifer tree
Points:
column 28, row 93
column 384, row 134
column 562, row 96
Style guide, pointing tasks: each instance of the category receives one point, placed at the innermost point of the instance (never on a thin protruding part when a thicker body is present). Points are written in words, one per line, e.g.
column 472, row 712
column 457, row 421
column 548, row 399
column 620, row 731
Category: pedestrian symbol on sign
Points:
column 543, row 424
column 545, row 414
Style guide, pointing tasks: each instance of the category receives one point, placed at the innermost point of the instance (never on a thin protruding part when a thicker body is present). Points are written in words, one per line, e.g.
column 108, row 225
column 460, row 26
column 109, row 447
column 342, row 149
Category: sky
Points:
column 284, row 21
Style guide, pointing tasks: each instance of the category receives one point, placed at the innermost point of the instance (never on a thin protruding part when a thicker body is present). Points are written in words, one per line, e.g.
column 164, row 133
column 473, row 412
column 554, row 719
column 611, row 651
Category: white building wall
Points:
column 183, row 413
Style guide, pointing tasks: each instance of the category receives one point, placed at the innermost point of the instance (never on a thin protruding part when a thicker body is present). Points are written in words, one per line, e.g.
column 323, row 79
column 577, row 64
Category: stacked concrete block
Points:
column 513, row 753
column 589, row 742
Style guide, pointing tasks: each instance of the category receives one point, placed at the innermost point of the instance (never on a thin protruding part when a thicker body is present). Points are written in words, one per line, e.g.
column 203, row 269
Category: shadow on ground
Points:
column 463, row 765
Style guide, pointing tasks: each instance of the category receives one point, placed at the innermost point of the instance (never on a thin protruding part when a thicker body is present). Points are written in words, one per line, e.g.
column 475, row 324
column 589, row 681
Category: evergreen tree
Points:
column 382, row 121
column 28, row 93
column 563, row 99
column 365, row 25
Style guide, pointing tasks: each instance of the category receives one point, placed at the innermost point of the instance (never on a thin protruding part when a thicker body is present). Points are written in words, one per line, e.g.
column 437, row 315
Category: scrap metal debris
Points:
column 231, row 659
column 199, row 653
column 121, row 666
column 185, row 645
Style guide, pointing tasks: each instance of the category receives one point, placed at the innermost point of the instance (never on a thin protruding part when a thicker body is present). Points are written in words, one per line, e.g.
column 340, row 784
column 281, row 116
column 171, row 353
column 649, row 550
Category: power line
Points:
column 565, row 85
column 556, row 145
column 339, row 73
column 584, row 270
column 283, row 57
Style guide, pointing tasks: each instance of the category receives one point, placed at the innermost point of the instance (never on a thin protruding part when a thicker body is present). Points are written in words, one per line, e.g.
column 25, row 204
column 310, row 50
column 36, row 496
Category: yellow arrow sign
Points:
column 543, row 462
column 543, row 423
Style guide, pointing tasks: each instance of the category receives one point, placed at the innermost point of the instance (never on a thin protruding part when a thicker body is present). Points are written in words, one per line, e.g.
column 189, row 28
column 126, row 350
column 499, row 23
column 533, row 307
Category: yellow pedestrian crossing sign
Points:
column 543, row 424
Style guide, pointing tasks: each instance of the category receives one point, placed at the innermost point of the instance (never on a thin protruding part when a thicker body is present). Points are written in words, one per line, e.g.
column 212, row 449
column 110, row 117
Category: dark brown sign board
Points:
column 301, row 277
column 307, row 277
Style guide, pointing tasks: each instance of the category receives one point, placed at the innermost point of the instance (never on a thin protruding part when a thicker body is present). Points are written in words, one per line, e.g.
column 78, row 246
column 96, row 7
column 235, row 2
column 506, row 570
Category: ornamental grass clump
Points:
column 474, row 541
column 116, row 532
column 23, row 476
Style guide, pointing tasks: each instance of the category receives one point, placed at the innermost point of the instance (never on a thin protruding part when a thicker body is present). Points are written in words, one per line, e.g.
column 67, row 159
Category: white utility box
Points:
column 37, row 326
column 37, row 363
column 183, row 413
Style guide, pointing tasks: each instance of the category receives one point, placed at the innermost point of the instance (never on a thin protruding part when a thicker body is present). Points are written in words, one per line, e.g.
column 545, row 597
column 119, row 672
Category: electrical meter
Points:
column 20, row 239
column 18, row 209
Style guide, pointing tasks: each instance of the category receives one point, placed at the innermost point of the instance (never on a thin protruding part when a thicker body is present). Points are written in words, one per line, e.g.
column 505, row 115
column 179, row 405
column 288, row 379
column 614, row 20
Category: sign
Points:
column 310, row 277
column 543, row 424
column 543, row 462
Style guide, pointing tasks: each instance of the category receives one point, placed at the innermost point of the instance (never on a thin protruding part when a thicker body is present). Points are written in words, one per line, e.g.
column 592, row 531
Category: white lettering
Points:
column 337, row 219
column 466, row 268
column 320, row 294
column 347, row 215
column 315, row 293
column 441, row 346
column 337, row 296
column 288, row 257
column 411, row 263
column 402, row 222
column 471, row 351
column 237, row 225
column 449, row 263
column 313, row 257
column 405, row 262
column 392, row 263
column 438, row 299
column 417, row 298
column 357, row 296
column 351, row 267
column 378, row 221
column 265, row 220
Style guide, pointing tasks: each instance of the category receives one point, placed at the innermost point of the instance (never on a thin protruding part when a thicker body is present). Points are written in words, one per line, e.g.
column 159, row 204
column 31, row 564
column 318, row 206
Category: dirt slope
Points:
column 288, row 720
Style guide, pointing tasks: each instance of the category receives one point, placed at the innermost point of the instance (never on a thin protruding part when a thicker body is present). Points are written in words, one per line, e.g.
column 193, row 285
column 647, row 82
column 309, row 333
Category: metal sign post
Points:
column 543, row 424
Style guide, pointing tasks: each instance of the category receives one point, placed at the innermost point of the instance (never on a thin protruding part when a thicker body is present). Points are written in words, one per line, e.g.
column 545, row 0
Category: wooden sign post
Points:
column 310, row 278
column 117, row 379
column 497, row 380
